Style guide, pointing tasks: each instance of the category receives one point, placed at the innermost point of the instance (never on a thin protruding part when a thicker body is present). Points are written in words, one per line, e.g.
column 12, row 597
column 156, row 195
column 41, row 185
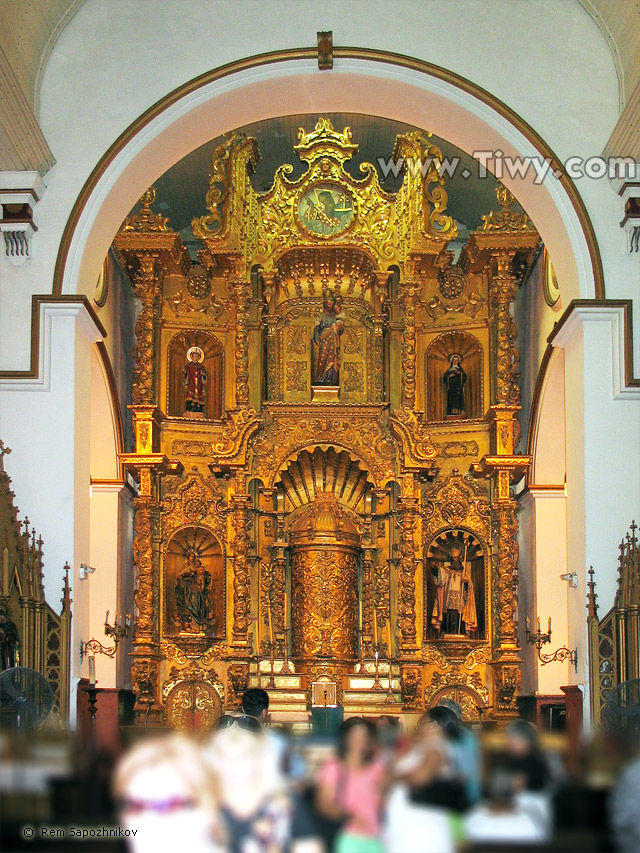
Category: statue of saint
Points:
column 195, row 384
column 326, row 339
column 455, row 379
column 454, row 610
column 193, row 596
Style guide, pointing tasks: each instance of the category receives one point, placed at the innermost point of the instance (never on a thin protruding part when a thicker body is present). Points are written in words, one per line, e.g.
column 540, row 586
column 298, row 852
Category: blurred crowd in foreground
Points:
column 249, row 788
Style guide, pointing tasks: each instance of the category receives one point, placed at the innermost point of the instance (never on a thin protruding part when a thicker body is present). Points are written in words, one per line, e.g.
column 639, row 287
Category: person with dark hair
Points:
column 255, row 703
column 350, row 788
column 426, row 791
column 527, row 764
column 466, row 753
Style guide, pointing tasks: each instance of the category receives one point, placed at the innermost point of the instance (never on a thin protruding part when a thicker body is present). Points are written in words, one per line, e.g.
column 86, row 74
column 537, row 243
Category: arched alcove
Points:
column 440, row 360
column 194, row 585
column 213, row 364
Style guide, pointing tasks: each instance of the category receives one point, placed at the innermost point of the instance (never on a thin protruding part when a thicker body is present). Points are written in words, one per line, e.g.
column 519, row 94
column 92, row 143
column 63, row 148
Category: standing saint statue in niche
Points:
column 454, row 610
column 454, row 380
column 195, row 384
column 326, row 340
column 193, row 596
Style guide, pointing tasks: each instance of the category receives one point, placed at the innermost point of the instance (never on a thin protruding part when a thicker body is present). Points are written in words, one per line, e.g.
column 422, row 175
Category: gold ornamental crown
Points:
column 324, row 141
column 324, row 520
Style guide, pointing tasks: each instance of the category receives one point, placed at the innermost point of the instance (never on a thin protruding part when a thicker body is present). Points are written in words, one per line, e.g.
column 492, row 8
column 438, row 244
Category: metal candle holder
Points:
column 539, row 640
column 117, row 631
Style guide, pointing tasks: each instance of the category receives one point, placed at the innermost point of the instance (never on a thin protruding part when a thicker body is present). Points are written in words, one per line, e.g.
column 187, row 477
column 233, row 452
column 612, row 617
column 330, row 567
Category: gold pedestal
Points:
column 325, row 393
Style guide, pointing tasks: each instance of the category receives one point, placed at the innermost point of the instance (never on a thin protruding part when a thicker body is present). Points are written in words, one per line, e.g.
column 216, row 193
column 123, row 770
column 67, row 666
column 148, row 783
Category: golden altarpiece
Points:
column 325, row 412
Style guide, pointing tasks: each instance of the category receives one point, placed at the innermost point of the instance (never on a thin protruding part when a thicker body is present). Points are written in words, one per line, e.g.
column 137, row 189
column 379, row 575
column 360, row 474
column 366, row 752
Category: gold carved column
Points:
column 408, row 298
column 324, row 574
column 242, row 295
column 147, row 290
column 148, row 465
column 407, row 508
column 241, row 505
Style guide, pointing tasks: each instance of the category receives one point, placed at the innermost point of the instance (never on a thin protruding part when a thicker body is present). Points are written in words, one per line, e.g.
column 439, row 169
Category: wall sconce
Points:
column 539, row 640
column 117, row 631
column 84, row 571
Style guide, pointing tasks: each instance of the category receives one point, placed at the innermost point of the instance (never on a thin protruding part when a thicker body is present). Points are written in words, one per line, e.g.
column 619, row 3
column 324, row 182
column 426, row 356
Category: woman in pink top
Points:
column 350, row 789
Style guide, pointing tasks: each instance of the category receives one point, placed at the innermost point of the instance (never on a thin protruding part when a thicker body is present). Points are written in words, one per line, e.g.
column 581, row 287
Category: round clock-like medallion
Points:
column 325, row 210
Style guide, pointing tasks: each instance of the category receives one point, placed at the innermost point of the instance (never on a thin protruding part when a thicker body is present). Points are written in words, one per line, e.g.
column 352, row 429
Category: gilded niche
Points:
column 194, row 585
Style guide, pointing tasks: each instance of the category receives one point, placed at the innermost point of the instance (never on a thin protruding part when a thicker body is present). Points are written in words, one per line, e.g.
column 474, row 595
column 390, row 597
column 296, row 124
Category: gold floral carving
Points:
column 503, row 290
column 297, row 375
column 457, row 501
column 324, row 603
column 454, row 449
column 145, row 580
column 242, row 295
column 353, row 376
column 507, row 574
column 418, row 449
column 223, row 228
column 212, row 309
column 467, row 690
column 241, row 505
column 194, row 500
column 290, row 428
column 147, row 290
column 144, row 676
column 407, row 508
column 411, row 682
column 144, row 219
column 408, row 299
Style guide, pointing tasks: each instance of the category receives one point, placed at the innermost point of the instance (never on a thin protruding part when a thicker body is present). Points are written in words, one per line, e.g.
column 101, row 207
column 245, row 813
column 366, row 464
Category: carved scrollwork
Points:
column 457, row 501
column 195, row 500
column 418, row 448
column 367, row 437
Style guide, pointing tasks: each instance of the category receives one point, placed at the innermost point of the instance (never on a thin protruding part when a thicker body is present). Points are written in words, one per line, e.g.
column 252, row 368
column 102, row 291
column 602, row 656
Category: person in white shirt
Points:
column 501, row 820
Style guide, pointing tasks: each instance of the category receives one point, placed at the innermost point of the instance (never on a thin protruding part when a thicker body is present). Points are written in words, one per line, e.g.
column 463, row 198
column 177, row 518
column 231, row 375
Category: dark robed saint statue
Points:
column 326, row 339
column 193, row 596
column 455, row 379
column 195, row 383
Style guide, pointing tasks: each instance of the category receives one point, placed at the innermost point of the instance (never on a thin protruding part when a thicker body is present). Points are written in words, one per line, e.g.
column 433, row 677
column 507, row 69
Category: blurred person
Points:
column 530, row 770
column 425, row 793
column 166, row 795
column 389, row 736
column 624, row 808
column 350, row 789
column 257, row 812
column 501, row 819
column 255, row 703
column 466, row 753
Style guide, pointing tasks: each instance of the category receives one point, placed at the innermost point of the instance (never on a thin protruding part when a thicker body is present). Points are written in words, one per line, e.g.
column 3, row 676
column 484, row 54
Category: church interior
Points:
column 319, row 375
